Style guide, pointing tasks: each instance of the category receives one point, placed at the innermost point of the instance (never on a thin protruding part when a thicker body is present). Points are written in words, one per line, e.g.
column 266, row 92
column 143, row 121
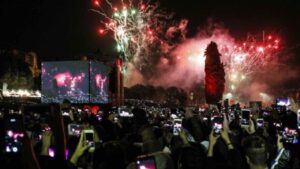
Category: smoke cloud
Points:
column 180, row 63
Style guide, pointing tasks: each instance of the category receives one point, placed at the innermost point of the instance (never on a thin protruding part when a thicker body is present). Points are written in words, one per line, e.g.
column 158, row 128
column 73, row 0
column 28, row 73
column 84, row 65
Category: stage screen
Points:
column 65, row 80
column 98, row 82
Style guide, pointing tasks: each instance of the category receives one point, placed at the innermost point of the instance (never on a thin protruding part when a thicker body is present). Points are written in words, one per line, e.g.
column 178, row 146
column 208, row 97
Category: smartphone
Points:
column 189, row 137
column 14, row 133
column 116, row 120
column 89, row 139
column 99, row 117
column 265, row 114
column 65, row 113
column 231, row 116
column 147, row 162
column 75, row 129
column 290, row 136
column 260, row 123
column 283, row 102
column 278, row 126
column 177, row 126
column 217, row 125
column 245, row 117
column 124, row 114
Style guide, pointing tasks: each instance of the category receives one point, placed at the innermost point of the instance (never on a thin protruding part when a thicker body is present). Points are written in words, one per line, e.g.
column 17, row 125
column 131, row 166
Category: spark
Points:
column 136, row 27
column 232, row 87
column 101, row 31
column 260, row 49
column 243, row 63
column 241, row 59
column 243, row 77
column 96, row 3
column 270, row 37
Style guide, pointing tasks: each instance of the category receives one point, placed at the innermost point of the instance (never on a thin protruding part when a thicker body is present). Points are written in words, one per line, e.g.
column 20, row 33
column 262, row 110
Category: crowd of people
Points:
column 140, row 137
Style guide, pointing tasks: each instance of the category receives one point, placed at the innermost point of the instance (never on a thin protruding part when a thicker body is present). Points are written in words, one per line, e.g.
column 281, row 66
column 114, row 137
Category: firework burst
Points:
column 248, row 57
column 136, row 25
column 156, row 46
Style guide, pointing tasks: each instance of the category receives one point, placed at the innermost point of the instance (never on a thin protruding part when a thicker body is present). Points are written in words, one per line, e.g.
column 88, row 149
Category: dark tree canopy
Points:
column 171, row 96
column 214, row 75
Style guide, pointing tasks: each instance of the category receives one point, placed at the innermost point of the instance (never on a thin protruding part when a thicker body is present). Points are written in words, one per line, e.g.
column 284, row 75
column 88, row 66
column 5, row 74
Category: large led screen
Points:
column 65, row 80
column 98, row 82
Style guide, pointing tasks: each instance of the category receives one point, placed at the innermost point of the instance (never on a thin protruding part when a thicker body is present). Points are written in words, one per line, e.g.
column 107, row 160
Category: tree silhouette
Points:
column 171, row 96
column 214, row 75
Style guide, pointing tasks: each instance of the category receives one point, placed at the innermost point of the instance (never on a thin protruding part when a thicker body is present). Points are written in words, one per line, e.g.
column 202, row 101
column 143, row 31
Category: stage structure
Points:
column 117, row 83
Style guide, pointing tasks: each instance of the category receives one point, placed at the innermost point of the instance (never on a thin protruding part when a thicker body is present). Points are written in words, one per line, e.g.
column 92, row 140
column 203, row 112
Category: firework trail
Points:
column 248, row 57
column 154, row 47
column 137, row 26
column 242, row 59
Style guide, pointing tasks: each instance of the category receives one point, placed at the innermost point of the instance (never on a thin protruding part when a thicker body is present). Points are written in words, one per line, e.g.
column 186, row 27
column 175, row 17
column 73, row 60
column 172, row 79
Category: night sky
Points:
column 64, row 29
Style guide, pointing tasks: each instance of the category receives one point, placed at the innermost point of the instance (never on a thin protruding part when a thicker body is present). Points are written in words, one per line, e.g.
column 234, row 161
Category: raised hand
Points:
column 251, row 128
column 80, row 149
column 212, row 141
column 225, row 131
column 46, row 142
